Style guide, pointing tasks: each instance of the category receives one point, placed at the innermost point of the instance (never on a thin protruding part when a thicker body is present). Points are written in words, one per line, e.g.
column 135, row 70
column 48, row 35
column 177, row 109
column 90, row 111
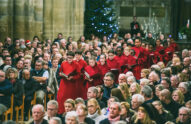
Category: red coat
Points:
column 131, row 62
column 104, row 69
column 80, row 83
column 120, row 60
column 168, row 53
column 153, row 58
column 94, row 72
column 113, row 64
column 67, row 88
column 141, row 55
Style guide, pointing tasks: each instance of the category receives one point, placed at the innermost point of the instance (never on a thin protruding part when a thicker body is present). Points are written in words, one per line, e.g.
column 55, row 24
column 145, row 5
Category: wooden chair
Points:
column 10, row 110
column 18, row 108
column 51, row 96
column 44, row 101
column 33, row 102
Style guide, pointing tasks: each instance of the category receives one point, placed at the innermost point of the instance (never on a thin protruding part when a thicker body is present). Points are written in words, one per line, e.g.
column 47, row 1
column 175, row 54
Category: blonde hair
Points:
column 146, row 119
column 138, row 88
column 94, row 101
column 125, row 88
column 176, row 61
column 180, row 95
column 127, row 106
column 71, row 101
column 146, row 71
column 11, row 70
column 84, row 108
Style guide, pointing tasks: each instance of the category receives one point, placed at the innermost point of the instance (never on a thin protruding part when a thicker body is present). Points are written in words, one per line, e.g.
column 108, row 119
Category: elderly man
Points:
column 183, row 116
column 41, row 76
column 38, row 114
column 147, row 93
column 183, row 87
column 114, row 114
column 136, row 101
column 174, row 81
column 5, row 93
column 186, row 62
column 122, row 78
column 108, row 84
column 55, row 120
column 168, row 103
column 93, row 93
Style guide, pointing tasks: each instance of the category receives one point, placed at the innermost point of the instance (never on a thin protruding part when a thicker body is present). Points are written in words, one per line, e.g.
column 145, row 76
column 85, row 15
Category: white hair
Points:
column 145, row 81
column 122, row 74
column 131, row 78
column 71, row 114
column 139, row 98
column 57, row 119
column 184, row 85
column 129, row 73
column 38, row 106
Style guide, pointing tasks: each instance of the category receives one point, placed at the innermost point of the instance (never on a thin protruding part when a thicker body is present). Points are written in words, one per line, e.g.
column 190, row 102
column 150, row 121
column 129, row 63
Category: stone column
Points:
column 38, row 18
column 6, row 19
column 48, row 19
column 19, row 19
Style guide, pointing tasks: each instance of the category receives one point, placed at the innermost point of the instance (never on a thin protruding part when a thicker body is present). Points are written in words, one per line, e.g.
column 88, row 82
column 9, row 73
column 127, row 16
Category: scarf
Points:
column 93, row 116
column 113, row 120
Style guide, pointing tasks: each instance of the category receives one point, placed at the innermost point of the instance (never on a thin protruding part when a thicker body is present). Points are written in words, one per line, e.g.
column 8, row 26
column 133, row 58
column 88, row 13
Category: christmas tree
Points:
column 100, row 18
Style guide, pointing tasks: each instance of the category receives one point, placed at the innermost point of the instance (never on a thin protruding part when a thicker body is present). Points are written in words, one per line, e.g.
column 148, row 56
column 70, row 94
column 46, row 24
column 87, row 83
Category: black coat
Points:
column 18, row 91
column 43, row 122
column 105, row 121
column 6, row 89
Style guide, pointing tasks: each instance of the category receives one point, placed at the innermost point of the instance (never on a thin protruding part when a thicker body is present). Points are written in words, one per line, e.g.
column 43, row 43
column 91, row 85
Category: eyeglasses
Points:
column 107, row 79
column 183, row 114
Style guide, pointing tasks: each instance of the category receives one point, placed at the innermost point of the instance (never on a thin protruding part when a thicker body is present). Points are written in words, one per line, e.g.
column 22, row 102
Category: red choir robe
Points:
column 130, row 62
column 153, row 58
column 80, row 83
column 67, row 88
column 168, row 53
column 95, row 74
column 141, row 55
column 114, row 67
column 103, row 68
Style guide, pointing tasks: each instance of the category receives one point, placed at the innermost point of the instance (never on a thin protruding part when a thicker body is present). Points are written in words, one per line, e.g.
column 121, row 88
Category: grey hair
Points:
column 184, row 85
column 186, row 109
column 38, row 106
column 53, row 102
column 118, row 104
column 111, row 75
column 139, row 98
column 146, row 81
column 131, row 78
column 94, row 89
column 176, row 77
column 57, row 119
column 147, row 91
column 156, row 67
column 122, row 74
column 129, row 73
column 71, row 114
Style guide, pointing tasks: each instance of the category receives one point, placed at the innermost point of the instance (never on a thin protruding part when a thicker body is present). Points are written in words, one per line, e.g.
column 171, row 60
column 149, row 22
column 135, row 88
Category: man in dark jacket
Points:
column 38, row 114
column 29, row 88
column 108, row 85
column 5, row 93
column 114, row 113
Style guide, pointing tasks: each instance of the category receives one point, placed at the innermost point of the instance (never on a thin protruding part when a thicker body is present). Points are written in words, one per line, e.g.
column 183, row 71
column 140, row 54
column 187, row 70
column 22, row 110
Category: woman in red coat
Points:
column 70, row 73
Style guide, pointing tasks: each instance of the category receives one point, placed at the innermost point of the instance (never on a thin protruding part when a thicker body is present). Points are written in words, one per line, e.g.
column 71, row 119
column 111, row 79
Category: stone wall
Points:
column 44, row 18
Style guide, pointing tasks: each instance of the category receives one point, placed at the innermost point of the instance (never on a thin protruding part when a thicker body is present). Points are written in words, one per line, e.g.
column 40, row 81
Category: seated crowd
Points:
column 129, row 80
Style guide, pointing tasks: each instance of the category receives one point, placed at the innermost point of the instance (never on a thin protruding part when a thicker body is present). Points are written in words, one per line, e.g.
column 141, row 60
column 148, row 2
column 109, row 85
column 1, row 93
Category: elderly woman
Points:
column 18, row 88
column 130, row 80
column 82, row 112
column 94, row 111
